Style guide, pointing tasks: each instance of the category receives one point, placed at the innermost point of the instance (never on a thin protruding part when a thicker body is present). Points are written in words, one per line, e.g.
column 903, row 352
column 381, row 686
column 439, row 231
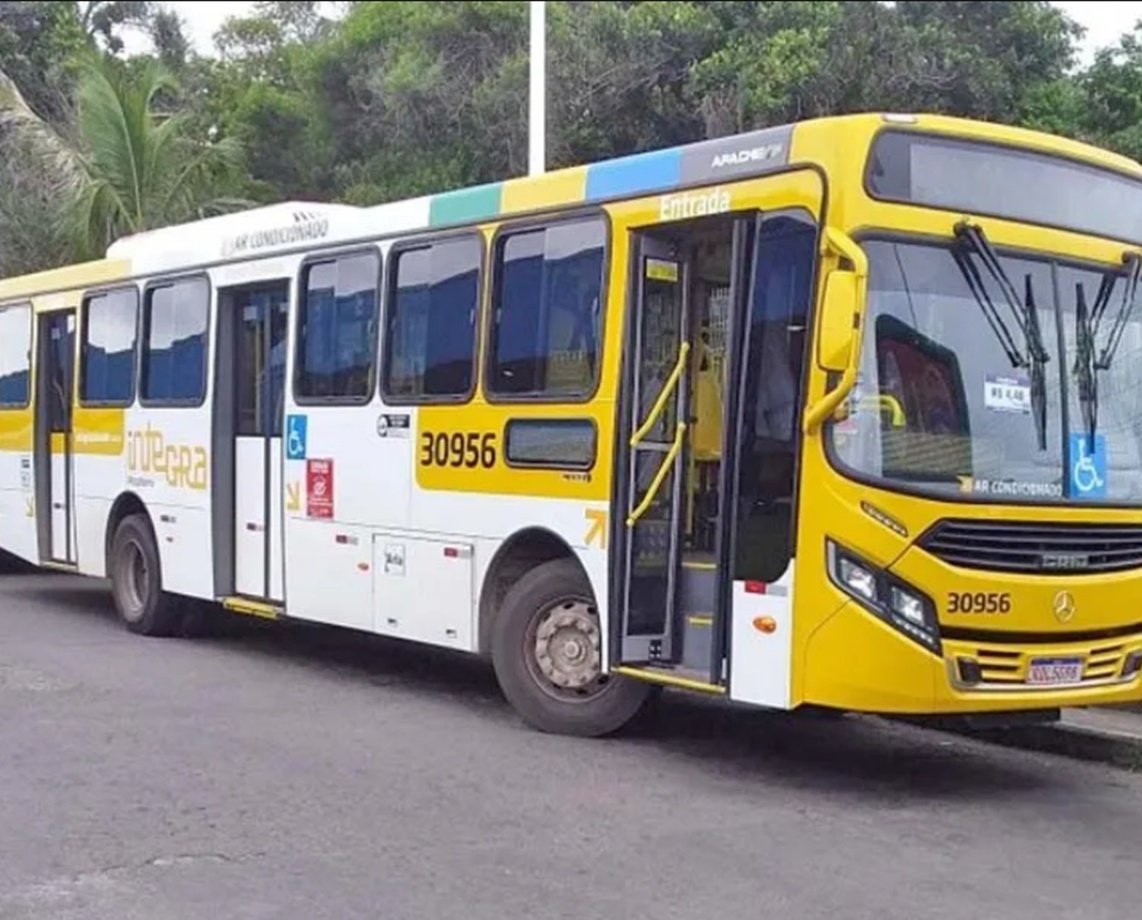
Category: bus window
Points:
column 337, row 329
column 107, row 358
column 431, row 324
column 15, row 355
column 175, row 318
column 548, row 311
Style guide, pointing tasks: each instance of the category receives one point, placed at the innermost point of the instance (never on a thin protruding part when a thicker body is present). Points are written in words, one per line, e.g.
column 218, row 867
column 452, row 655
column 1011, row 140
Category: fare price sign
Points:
column 319, row 488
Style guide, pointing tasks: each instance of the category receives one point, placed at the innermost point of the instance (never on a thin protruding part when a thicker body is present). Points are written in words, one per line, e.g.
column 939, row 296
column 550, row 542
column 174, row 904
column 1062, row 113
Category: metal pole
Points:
column 537, row 107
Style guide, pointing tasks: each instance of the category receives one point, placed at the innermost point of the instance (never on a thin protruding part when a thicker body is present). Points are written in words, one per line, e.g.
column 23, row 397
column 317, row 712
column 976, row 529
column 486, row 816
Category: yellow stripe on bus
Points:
column 98, row 431
column 16, row 430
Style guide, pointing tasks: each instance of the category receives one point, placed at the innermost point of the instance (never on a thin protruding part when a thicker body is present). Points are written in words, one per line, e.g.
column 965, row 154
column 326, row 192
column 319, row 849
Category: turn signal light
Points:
column 765, row 625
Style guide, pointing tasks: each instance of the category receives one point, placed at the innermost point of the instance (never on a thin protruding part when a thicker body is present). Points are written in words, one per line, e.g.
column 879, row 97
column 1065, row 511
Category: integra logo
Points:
column 1067, row 561
column 749, row 155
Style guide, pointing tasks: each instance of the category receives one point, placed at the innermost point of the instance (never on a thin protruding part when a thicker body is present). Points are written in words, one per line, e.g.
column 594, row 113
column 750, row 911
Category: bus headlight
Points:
column 900, row 605
column 907, row 605
column 857, row 580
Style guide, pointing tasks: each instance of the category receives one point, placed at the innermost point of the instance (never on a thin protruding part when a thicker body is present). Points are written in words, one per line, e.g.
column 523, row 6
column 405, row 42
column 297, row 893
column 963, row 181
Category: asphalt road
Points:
column 312, row 773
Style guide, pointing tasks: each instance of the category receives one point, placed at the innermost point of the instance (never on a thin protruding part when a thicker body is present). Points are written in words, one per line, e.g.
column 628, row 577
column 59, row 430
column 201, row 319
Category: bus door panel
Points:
column 764, row 440
column 654, row 468
column 54, row 469
column 260, row 320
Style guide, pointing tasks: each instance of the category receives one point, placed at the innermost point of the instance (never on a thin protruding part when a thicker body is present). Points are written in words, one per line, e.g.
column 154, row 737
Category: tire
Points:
column 547, row 595
column 136, row 581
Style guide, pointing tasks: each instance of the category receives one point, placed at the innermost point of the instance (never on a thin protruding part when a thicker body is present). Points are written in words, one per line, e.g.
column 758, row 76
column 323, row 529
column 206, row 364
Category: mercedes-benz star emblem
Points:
column 1064, row 606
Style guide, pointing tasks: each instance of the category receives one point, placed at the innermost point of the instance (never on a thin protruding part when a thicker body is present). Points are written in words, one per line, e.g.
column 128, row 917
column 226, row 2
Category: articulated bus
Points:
column 842, row 414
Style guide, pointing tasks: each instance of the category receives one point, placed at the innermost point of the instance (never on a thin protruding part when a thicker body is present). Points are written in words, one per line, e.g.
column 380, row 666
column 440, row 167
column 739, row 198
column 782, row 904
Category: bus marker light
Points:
column 765, row 625
column 755, row 587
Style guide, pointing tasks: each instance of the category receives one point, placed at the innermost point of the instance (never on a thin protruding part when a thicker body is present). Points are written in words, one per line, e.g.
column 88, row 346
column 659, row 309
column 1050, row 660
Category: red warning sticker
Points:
column 319, row 488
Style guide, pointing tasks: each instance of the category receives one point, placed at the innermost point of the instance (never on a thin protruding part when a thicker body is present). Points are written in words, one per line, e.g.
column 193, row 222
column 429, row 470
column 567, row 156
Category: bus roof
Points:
column 79, row 277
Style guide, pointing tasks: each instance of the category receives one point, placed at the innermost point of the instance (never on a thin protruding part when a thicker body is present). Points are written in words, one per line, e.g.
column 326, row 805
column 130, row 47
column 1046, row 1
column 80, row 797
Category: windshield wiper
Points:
column 1112, row 340
column 1085, row 369
column 1026, row 315
column 1086, row 336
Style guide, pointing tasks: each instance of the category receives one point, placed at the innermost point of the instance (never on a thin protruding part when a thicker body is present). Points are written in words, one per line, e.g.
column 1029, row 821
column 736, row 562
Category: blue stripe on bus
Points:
column 643, row 172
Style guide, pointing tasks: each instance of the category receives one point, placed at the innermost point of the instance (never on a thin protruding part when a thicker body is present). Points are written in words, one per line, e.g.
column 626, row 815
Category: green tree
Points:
column 384, row 100
column 125, row 166
column 37, row 39
column 1111, row 94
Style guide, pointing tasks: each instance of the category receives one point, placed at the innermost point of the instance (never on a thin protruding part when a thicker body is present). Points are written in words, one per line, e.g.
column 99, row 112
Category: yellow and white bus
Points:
column 844, row 413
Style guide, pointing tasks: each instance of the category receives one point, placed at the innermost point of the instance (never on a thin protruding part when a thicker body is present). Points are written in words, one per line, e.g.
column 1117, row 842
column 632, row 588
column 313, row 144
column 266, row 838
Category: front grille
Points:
column 1003, row 666
column 1056, row 549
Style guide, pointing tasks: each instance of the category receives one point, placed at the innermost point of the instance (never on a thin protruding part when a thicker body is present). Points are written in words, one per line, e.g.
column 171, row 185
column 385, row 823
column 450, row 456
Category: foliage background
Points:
column 366, row 102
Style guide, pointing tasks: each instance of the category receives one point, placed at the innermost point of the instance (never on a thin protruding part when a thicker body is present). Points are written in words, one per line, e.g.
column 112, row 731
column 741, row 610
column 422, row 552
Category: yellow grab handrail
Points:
column 660, row 403
column 656, row 483
column 827, row 404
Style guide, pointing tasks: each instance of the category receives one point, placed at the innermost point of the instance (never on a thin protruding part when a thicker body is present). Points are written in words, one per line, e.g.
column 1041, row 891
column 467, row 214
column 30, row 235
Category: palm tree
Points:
column 123, row 165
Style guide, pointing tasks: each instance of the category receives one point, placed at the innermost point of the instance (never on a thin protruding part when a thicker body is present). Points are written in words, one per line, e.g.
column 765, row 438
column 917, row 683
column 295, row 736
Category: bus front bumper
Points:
column 855, row 661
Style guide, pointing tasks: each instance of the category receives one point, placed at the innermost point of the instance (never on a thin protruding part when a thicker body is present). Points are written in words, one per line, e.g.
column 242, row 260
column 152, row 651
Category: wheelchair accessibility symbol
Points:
column 295, row 437
column 1088, row 467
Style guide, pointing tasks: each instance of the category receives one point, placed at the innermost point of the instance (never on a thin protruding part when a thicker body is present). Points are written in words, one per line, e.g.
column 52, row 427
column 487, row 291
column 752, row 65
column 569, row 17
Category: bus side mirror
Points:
column 838, row 318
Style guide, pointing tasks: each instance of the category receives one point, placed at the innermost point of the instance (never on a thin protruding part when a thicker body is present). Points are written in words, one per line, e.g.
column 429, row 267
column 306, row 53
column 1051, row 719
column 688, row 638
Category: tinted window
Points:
column 261, row 316
column 773, row 351
column 336, row 328
column 558, row 443
column 108, row 358
column 15, row 354
column 548, row 319
column 430, row 340
column 1017, row 184
column 59, row 332
column 174, row 360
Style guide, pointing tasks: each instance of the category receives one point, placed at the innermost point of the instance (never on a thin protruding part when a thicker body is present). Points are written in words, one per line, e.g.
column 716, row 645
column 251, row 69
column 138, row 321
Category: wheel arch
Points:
column 518, row 554
column 126, row 504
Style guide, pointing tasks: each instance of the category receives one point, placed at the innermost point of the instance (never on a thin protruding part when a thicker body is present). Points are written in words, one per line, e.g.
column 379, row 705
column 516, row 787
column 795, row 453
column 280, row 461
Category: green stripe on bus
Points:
column 465, row 204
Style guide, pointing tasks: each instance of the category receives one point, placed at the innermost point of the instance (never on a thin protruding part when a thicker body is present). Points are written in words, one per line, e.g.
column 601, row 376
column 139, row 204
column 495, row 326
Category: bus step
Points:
column 60, row 566
column 252, row 608
column 696, row 640
column 682, row 678
column 699, row 587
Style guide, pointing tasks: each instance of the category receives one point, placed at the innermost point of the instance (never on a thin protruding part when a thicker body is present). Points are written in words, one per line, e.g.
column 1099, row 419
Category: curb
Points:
column 1122, row 707
column 1099, row 745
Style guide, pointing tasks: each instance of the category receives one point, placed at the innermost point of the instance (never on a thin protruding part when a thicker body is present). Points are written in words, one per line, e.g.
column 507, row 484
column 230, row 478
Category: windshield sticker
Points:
column 1010, row 488
column 1088, row 468
column 1007, row 394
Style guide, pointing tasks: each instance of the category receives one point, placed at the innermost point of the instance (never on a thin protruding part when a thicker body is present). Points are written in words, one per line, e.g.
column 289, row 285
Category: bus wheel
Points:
column 136, row 580
column 547, row 654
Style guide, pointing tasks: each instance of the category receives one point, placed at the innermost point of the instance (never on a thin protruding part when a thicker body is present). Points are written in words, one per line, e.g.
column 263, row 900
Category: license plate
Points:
column 1055, row 671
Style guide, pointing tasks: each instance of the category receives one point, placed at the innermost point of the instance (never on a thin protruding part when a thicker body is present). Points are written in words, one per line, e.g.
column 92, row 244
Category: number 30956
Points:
column 978, row 602
column 458, row 449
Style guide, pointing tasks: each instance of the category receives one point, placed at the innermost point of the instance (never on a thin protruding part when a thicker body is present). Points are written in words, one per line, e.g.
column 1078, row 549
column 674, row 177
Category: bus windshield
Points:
column 944, row 405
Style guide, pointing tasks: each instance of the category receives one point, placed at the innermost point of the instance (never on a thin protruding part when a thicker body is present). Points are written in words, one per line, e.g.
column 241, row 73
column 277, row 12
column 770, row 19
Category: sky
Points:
column 1104, row 21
